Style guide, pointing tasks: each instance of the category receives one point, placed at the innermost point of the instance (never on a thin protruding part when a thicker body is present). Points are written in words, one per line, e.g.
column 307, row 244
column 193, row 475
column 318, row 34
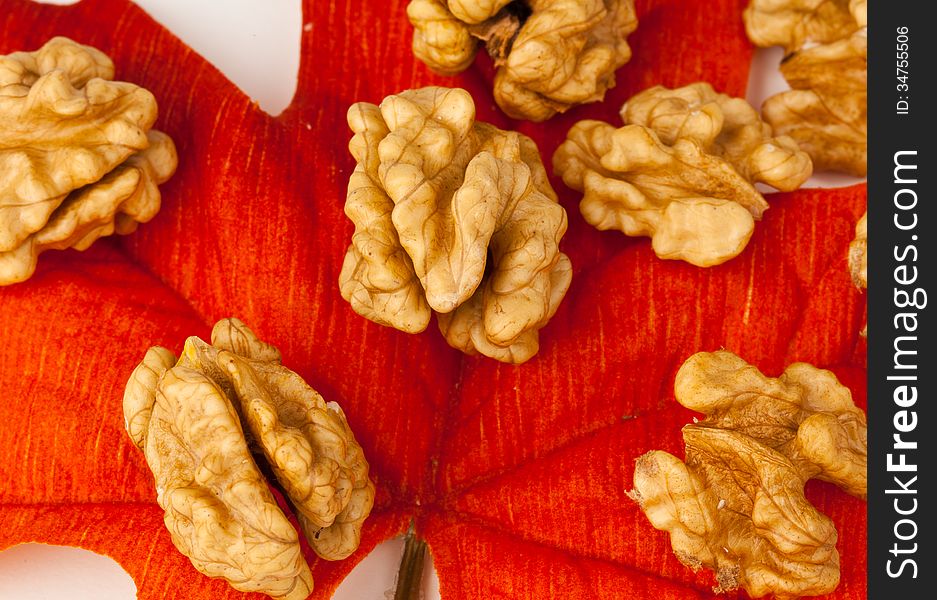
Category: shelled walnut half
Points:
column 681, row 171
column 736, row 504
column 452, row 216
column 826, row 48
column 78, row 159
column 205, row 420
column 550, row 54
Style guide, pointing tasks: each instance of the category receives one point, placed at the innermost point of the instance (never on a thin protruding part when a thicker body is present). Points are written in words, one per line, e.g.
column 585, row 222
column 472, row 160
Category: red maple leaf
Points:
column 515, row 475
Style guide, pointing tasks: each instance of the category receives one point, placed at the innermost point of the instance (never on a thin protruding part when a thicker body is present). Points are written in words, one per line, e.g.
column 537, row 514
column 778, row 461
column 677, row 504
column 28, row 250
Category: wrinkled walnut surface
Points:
column 452, row 216
column 827, row 46
column 736, row 505
column 794, row 23
column 723, row 126
column 681, row 171
column 198, row 419
column 550, row 54
column 77, row 157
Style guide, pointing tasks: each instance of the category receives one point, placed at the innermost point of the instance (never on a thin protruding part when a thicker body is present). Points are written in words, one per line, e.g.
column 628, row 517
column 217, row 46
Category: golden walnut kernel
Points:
column 452, row 216
column 727, row 127
column 77, row 157
column 794, row 23
column 681, row 171
column 827, row 46
column 859, row 259
column 858, row 254
column 550, row 54
column 204, row 422
column 736, row 505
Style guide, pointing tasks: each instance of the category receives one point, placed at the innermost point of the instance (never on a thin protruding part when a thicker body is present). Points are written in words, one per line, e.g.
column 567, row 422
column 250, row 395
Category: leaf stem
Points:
column 410, row 575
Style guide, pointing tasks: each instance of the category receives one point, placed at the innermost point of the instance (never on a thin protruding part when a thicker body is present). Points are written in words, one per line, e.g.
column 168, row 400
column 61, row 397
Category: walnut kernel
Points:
column 681, row 171
column 550, row 54
column 453, row 216
column 78, row 159
column 736, row 505
column 204, row 422
column 827, row 46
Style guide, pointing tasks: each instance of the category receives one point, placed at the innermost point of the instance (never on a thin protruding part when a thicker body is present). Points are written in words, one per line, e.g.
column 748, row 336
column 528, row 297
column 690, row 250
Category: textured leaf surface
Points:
column 515, row 475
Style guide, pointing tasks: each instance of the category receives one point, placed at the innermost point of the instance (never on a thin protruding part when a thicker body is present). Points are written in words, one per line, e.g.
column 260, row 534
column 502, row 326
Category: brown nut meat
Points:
column 681, row 171
column 826, row 109
column 859, row 10
column 859, row 259
column 794, row 23
column 827, row 46
column 189, row 417
column 737, row 505
column 77, row 157
column 858, row 254
column 452, row 216
column 727, row 127
column 550, row 54
column 694, row 206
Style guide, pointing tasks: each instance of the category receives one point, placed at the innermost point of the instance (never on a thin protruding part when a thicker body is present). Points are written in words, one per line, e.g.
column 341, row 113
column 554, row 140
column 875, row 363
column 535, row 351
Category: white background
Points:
column 256, row 44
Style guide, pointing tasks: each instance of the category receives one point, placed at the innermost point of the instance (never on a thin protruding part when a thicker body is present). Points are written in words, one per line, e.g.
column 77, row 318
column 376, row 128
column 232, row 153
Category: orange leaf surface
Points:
column 515, row 475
